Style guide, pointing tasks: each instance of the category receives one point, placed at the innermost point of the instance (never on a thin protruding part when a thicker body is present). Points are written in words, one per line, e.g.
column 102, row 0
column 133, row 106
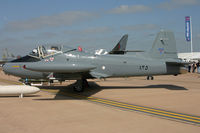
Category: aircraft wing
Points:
column 59, row 68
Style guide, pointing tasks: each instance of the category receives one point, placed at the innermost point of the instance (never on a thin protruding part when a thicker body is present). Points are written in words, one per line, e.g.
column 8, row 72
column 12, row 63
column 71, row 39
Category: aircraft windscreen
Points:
column 26, row 58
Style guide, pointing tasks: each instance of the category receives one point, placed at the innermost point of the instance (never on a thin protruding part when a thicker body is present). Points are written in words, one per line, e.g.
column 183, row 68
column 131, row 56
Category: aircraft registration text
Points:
column 143, row 67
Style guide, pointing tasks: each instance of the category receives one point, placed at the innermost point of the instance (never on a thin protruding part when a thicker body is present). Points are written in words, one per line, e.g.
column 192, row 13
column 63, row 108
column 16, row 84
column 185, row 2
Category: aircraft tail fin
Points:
column 164, row 46
column 121, row 46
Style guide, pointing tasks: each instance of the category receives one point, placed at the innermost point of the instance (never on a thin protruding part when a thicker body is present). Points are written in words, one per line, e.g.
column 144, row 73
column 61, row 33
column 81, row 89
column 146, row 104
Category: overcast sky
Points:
column 94, row 24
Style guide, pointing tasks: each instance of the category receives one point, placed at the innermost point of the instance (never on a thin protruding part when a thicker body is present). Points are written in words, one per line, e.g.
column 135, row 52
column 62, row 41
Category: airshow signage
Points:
column 187, row 28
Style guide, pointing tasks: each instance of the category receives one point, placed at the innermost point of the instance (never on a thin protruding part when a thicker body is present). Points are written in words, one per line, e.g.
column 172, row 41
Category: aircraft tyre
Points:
column 150, row 77
column 27, row 83
column 78, row 88
column 80, row 85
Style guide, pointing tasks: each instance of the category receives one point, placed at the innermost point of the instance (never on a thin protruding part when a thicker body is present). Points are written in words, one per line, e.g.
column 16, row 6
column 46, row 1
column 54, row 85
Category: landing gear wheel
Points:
column 50, row 82
column 27, row 83
column 78, row 88
column 85, row 83
column 150, row 77
column 80, row 85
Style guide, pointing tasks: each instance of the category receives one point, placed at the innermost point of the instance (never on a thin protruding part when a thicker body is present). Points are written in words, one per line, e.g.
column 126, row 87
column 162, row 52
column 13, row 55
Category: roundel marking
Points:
column 103, row 67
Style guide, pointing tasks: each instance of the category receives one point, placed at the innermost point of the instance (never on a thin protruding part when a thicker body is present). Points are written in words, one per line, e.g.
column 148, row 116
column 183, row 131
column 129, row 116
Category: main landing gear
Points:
column 80, row 85
column 150, row 77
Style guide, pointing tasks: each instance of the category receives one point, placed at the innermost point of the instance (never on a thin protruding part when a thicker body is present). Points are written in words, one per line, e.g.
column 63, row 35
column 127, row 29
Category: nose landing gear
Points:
column 150, row 77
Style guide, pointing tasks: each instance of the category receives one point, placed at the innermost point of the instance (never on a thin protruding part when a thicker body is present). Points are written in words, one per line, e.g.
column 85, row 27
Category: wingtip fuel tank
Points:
column 17, row 90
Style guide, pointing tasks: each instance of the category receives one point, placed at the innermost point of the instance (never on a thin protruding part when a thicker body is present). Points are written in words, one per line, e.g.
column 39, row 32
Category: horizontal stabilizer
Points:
column 133, row 51
column 178, row 63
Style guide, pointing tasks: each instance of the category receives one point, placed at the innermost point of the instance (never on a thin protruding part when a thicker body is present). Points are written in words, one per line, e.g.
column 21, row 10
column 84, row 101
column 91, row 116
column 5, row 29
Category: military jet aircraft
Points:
column 15, row 67
column 71, row 64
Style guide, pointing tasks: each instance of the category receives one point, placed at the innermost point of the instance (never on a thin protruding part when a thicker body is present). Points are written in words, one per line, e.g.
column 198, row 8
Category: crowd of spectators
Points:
column 194, row 67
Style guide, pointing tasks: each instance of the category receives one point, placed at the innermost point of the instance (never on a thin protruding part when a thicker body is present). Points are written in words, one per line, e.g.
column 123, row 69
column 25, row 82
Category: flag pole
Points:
column 191, row 34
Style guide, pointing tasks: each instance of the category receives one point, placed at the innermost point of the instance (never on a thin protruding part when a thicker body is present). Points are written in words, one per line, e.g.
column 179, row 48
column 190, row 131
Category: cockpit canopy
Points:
column 42, row 51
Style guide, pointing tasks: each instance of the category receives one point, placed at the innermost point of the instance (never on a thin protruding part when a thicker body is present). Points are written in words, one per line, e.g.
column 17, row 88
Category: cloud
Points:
column 172, row 4
column 141, row 27
column 43, row 35
column 5, row 18
column 198, row 35
column 62, row 19
column 9, row 41
column 48, row 34
column 98, row 30
column 91, row 30
column 124, row 9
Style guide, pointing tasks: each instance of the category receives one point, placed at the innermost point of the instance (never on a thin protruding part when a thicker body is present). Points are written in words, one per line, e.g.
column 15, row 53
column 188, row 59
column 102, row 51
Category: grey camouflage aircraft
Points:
column 70, row 64
column 15, row 67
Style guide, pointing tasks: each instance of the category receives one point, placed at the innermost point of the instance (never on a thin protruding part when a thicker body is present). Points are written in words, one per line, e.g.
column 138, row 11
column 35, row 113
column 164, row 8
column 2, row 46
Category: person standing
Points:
column 189, row 68
column 198, row 68
column 193, row 67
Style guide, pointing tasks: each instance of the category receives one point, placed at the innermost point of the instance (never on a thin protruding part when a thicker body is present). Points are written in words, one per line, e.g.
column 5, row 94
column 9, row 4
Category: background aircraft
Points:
column 75, row 65
column 6, row 57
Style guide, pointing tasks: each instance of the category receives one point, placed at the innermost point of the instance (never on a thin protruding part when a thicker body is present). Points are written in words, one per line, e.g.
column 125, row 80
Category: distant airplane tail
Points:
column 164, row 46
column 7, row 55
column 121, row 46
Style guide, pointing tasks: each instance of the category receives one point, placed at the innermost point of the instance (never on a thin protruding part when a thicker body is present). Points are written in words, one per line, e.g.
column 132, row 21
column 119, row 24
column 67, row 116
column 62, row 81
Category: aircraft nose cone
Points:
column 8, row 68
column 5, row 68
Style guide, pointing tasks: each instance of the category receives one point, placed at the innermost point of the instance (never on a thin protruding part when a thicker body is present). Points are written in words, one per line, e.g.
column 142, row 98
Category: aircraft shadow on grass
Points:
column 64, row 92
